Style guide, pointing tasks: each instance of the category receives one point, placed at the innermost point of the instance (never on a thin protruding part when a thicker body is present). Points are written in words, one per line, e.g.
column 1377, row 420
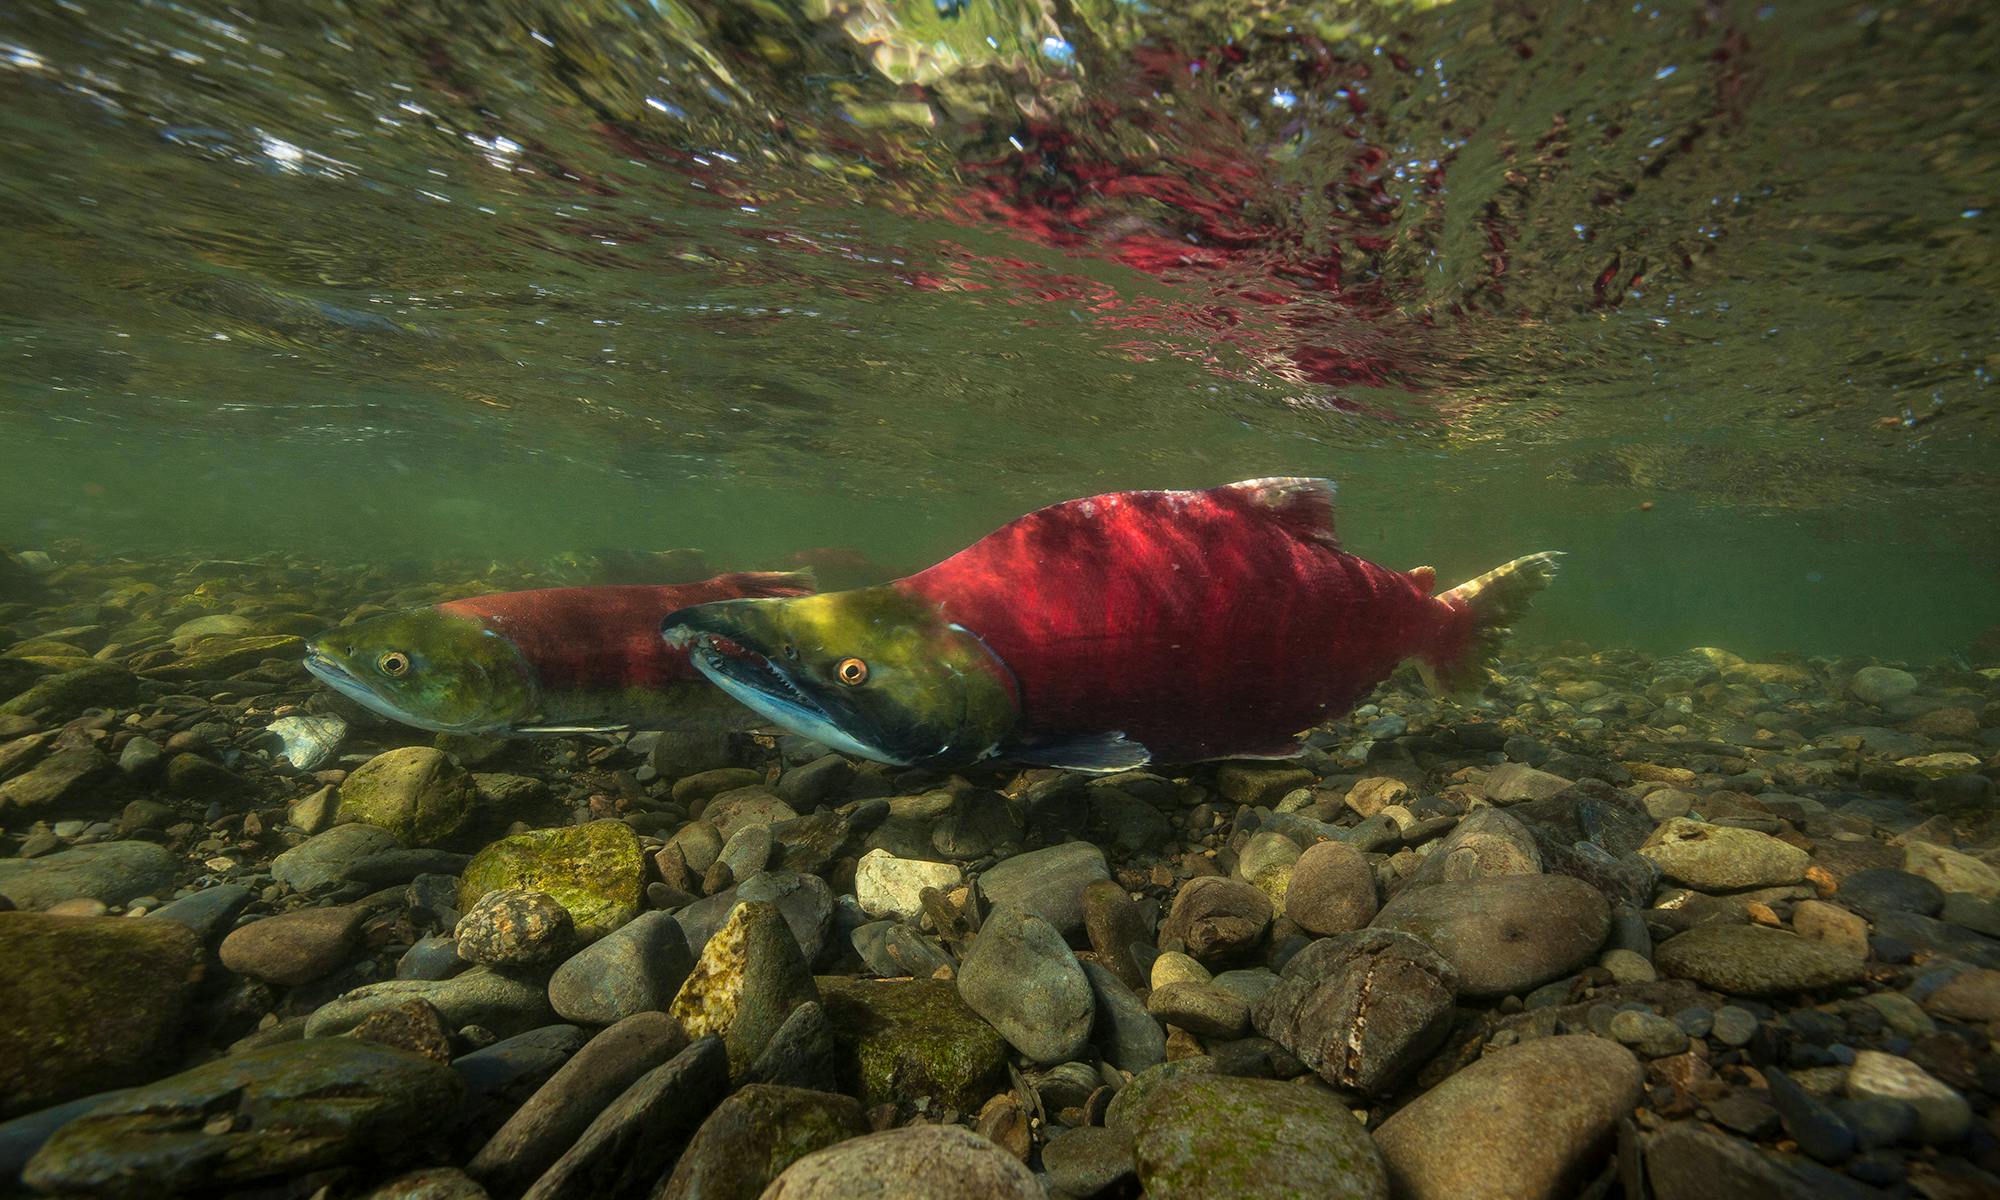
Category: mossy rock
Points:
column 91, row 1003
column 595, row 871
column 1223, row 1136
column 904, row 1040
column 755, row 1134
column 287, row 1110
column 417, row 793
column 59, row 697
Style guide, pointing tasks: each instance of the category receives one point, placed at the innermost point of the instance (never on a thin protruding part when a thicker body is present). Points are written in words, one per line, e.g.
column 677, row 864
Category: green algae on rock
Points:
column 912, row 1041
column 754, row 1135
column 595, row 871
column 415, row 792
column 62, row 696
column 748, row 979
column 1223, row 1136
column 91, row 1003
column 279, row 1110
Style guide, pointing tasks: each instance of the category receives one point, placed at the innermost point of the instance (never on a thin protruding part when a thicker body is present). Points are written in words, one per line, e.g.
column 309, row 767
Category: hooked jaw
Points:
column 759, row 684
column 328, row 670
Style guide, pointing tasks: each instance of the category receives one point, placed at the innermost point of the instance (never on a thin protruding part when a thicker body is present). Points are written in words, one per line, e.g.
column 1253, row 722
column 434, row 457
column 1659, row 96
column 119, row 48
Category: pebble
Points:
column 1211, row 1136
column 1648, row 1034
column 1687, row 1161
column 207, row 912
column 635, row 968
column 1750, row 960
column 1518, row 1122
column 1332, row 890
column 1507, row 934
column 1629, row 967
column 514, row 927
column 294, row 948
column 1951, row 870
column 1818, row 921
column 1046, row 883
column 887, row 886
column 1202, row 1009
column 1943, row 1115
column 1114, row 923
column 1881, row 686
column 1487, row 843
column 1972, row 995
column 1021, row 977
column 938, row 1162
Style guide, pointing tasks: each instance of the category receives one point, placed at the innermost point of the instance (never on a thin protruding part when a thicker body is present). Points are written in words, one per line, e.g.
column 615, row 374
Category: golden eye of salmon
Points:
column 852, row 672
column 394, row 663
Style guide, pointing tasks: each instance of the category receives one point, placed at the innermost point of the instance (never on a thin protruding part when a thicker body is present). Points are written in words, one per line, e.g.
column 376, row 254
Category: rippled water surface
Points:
column 1704, row 294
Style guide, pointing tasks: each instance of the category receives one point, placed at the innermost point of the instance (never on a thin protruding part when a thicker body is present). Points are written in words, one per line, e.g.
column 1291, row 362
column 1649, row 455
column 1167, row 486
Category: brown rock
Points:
column 294, row 948
column 1529, row 1121
column 1332, row 890
column 1822, row 922
column 413, row 1025
column 1214, row 917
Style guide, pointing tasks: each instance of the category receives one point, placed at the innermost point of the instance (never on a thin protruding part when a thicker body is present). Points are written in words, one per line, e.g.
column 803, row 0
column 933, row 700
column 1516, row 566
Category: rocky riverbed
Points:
column 1682, row 926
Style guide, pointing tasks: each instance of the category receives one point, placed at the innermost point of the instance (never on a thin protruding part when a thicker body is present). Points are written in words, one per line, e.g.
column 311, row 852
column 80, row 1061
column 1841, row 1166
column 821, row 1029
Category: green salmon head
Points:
column 426, row 668
column 870, row 672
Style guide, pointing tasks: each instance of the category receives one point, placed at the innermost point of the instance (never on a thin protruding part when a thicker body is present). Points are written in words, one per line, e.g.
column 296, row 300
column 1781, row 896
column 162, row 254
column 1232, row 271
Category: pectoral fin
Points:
column 1099, row 753
column 571, row 728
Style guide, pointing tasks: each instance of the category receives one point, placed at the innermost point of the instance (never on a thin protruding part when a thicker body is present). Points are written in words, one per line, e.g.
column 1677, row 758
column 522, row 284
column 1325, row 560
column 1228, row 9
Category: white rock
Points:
column 1942, row 1114
column 887, row 886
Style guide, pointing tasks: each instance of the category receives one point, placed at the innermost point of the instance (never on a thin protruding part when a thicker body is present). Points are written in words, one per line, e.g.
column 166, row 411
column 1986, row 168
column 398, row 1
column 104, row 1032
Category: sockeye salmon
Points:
column 1108, row 632
column 553, row 660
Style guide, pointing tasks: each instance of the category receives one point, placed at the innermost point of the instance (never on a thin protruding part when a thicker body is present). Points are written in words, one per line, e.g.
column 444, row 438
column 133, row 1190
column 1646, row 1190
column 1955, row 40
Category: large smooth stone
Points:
column 559, row 1111
column 937, row 1162
column 754, row 1135
column 634, row 968
column 506, row 1004
column 1721, row 858
column 296, row 1107
column 1690, row 1161
column 805, row 900
column 113, row 872
column 1525, row 1122
column 1487, row 843
column 628, row 1145
column 1046, row 883
column 71, row 782
column 1022, row 978
column 1751, row 960
column 595, row 871
column 1507, row 934
column 90, row 1003
column 1206, row 1137
column 908, row 1041
column 324, row 859
column 295, row 947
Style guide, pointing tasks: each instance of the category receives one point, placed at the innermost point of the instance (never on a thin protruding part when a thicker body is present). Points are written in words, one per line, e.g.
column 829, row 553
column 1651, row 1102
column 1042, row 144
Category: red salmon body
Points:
column 1197, row 623
column 604, row 638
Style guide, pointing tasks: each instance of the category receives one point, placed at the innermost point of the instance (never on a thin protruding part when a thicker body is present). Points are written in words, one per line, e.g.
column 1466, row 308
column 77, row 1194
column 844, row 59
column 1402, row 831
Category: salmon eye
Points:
column 852, row 672
column 394, row 663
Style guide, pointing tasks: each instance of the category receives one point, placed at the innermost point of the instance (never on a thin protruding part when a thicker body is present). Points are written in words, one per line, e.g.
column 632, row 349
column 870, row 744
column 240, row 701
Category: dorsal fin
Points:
column 1426, row 577
column 1305, row 505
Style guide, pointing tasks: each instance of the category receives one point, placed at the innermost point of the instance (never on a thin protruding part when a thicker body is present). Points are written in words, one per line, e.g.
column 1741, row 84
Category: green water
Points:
column 362, row 282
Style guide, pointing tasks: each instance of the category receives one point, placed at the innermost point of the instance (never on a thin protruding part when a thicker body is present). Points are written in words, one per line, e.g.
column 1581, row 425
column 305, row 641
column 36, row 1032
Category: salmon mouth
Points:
column 728, row 662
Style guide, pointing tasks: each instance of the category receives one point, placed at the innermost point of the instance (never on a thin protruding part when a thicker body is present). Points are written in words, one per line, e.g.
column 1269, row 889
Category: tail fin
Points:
column 1481, row 612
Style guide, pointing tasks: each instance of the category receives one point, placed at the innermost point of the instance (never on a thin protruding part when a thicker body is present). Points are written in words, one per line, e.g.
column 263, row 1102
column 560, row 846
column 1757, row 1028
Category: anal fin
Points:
column 571, row 728
column 1100, row 753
